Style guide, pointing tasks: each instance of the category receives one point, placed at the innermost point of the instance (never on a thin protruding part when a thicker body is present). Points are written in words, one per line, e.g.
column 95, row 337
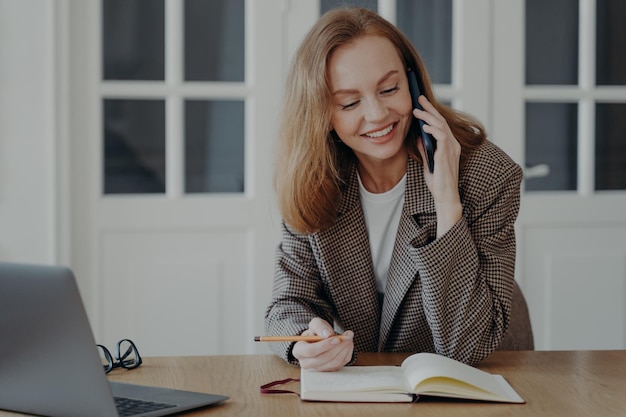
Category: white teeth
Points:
column 380, row 132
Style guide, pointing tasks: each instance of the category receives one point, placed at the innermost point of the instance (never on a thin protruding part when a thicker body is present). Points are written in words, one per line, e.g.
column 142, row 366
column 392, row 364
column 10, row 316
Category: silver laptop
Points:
column 49, row 362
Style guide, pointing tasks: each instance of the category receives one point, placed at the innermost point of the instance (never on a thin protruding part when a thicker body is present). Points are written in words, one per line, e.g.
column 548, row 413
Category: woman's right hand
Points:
column 329, row 354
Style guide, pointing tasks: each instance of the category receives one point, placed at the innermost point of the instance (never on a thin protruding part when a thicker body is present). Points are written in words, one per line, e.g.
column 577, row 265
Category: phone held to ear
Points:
column 430, row 144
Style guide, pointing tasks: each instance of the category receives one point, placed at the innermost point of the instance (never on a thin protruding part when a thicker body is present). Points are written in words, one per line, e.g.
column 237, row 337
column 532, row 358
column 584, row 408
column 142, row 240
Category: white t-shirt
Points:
column 382, row 217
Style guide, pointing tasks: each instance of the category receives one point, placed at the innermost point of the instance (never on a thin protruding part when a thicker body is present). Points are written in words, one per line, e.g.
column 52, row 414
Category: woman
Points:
column 375, row 246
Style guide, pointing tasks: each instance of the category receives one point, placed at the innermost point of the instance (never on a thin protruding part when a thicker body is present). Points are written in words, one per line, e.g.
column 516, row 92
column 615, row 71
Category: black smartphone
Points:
column 430, row 143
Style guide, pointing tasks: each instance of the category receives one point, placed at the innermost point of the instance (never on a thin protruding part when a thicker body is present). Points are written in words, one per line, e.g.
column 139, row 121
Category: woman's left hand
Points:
column 443, row 182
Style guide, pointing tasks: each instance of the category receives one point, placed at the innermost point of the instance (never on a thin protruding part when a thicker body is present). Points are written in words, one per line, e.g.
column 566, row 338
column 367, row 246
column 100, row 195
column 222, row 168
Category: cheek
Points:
column 405, row 111
column 345, row 123
column 405, row 107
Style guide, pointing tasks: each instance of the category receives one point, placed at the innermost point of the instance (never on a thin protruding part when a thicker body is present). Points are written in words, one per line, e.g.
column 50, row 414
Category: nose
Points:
column 375, row 110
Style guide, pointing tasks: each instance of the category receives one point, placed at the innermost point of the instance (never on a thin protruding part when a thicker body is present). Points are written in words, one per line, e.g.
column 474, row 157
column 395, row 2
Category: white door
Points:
column 173, row 120
column 560, row 105
column 184, row 263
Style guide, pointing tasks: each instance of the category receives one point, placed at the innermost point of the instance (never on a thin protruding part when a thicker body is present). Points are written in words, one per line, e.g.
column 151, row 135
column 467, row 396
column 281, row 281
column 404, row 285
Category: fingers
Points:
column 320, row 327
column 438, row 127
column 430, row 115
column 436, row 124
column 326, row 355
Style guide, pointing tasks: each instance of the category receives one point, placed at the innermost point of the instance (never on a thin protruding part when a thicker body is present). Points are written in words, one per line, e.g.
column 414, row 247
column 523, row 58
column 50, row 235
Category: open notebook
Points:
column 49, row 362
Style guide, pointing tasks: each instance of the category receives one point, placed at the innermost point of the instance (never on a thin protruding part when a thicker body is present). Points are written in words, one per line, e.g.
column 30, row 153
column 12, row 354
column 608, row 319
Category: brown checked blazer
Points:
column 451, row 295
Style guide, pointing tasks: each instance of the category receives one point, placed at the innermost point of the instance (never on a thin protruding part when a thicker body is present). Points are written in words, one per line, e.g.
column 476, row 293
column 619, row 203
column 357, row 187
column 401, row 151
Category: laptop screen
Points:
column 49, row 362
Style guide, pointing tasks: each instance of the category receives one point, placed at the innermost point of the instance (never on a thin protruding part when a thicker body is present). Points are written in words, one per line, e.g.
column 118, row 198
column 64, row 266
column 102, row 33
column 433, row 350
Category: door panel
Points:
column 571, row 245
column 175, row 292
column 183, row 263
column 575, row 285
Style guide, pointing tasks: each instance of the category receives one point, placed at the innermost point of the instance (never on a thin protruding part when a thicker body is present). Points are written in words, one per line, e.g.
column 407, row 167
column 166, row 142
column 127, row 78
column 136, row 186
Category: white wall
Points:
column 27, row 132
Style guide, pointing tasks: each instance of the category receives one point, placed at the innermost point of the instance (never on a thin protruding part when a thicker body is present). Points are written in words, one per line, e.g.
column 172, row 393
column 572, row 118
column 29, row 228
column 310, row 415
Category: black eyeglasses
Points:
column 130, row 359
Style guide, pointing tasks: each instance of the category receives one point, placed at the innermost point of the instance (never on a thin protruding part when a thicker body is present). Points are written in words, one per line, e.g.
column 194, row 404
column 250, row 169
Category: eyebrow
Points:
column 352, row 91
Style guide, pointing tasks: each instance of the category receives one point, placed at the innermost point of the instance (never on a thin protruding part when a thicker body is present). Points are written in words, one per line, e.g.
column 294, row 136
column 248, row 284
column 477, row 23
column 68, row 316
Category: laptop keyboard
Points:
column 130, row 407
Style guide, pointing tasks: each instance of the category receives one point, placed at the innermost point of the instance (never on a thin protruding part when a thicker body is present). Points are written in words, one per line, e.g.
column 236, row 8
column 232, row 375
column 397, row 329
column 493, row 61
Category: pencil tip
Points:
column 257, row 338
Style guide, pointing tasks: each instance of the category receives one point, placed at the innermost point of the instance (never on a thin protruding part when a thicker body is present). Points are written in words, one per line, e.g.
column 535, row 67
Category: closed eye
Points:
column 390, row 90
column 385, row 92
column 349, row 106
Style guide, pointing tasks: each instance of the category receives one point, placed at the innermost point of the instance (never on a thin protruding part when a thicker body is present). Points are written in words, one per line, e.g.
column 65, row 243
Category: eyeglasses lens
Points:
column 128, row 355
column 107, row 359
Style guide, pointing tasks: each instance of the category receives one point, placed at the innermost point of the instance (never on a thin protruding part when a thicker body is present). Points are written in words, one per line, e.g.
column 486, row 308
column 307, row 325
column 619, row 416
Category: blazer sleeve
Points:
column 467, row 274
column 298, row 293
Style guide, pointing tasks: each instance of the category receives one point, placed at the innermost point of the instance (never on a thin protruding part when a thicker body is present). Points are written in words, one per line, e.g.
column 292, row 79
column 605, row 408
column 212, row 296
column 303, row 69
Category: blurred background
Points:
column 137, row 142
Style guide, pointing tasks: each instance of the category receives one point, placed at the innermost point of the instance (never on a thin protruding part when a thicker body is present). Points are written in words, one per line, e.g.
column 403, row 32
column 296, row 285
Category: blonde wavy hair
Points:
column 312, row 165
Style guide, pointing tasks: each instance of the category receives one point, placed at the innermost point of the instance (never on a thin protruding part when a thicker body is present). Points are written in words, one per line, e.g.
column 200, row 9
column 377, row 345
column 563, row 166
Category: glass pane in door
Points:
column 551, row 146
column 133, row 40
column 610, row 162
column 214, row 146
column 611, row 42
column 134, row 146
column 214, row 40
column 551, row 42
column 428, row 24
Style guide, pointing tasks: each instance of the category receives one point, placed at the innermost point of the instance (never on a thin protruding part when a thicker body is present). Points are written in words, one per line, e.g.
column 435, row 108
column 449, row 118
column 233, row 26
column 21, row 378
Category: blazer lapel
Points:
column 417, row 222
column 347, row 262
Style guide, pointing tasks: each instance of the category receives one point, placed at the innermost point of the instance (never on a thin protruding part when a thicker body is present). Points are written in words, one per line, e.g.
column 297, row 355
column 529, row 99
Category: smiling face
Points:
column 370, row 98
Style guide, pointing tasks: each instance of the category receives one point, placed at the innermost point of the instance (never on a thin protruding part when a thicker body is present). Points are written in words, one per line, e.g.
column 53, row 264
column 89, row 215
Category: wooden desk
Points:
column 572, row 383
